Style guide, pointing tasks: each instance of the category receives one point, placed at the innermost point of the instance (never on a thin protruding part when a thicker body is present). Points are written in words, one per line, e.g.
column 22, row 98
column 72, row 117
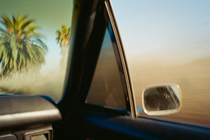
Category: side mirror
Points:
column 162, row 99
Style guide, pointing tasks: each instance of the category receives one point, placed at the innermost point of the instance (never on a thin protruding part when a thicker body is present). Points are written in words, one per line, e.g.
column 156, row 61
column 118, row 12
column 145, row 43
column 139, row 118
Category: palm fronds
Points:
column 63, row 37
column 20, row 46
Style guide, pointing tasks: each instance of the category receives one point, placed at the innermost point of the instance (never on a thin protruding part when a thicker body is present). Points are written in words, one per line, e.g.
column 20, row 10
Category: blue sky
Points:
column 176, row 31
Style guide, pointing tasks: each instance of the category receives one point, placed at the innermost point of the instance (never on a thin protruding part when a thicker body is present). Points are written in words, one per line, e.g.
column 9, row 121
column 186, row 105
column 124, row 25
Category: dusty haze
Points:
column 192, row 77
column 50, row 84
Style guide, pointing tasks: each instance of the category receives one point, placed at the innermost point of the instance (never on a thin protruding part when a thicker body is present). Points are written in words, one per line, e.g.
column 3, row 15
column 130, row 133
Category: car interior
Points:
column 98, row 101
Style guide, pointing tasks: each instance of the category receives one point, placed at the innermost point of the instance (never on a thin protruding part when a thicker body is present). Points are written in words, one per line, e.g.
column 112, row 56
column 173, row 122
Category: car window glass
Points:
column 34, row 44
column 106, row 87
column 168, row 42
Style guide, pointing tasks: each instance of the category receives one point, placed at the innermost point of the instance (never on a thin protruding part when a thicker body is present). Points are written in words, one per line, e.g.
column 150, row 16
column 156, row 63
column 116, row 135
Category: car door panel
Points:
column 104, row 126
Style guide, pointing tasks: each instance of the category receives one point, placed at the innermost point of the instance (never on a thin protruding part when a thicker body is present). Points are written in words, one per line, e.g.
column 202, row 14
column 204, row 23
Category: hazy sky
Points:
column 170, row 30
column 173, row 31
column 50, row 15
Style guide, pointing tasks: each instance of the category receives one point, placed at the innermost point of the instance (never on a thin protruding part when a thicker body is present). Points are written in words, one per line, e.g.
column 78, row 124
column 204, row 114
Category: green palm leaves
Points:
column 21, row 48
column 63, row 37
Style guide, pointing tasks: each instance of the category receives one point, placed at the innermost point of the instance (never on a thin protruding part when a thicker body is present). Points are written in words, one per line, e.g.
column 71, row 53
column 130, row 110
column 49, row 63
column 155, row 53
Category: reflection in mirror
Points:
column 161, row 98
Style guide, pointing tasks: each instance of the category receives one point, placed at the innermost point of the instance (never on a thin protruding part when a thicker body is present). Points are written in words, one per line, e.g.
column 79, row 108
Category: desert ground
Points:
column 192, row 77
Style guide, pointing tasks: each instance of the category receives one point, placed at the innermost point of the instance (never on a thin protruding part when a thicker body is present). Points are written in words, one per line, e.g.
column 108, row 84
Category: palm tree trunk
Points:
column 64, row 53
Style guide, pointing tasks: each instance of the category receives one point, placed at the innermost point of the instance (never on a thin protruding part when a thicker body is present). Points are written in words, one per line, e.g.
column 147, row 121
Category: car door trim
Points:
column 123, row 58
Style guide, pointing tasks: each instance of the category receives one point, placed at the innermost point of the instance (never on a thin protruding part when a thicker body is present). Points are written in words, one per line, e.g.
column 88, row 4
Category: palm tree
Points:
column 21, row 48
column 63, row 38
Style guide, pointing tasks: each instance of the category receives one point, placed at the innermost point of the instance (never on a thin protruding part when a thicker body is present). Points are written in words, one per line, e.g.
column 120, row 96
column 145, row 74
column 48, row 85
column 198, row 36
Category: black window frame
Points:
column 119, row 65
column 130, row 98
column 122, row 66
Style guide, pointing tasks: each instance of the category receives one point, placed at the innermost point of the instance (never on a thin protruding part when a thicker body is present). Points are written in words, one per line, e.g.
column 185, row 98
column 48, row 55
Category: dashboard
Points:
column 27, row 117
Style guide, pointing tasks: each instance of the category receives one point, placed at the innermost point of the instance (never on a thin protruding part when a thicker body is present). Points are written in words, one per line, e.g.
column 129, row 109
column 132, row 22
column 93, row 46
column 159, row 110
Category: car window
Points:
column 34, row 44
column 108, row 87
column 168, row 42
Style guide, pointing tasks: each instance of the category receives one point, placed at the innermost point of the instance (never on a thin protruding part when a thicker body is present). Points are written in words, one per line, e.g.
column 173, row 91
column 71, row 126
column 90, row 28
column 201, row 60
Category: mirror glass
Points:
column 159, row 98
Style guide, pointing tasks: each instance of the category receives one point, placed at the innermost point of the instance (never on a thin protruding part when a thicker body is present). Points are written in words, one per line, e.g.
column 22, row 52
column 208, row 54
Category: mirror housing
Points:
column 161, row 99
